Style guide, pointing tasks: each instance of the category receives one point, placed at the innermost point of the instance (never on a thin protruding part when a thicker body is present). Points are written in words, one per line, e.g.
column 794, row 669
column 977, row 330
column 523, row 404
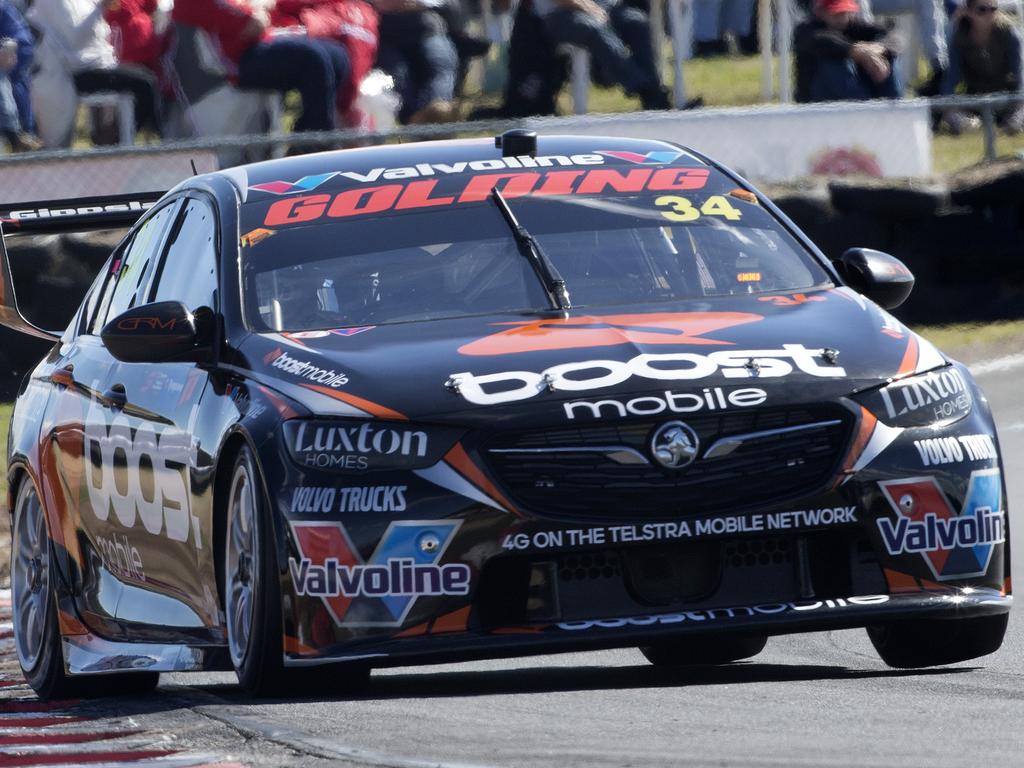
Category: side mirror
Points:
column 882, row 278
column 165, row 331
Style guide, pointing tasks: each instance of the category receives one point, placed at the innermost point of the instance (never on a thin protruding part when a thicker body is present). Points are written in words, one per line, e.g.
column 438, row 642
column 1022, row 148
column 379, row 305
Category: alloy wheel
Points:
column 30, row 576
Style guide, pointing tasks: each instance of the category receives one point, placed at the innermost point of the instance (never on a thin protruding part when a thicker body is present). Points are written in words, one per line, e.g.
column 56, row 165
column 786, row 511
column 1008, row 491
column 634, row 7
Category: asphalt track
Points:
column 820, row 699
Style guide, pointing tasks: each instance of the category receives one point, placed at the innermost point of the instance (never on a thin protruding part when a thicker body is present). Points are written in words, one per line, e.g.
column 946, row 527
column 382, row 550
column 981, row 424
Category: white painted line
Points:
column 1013, row 427
column 998, row 365
column 316, row 745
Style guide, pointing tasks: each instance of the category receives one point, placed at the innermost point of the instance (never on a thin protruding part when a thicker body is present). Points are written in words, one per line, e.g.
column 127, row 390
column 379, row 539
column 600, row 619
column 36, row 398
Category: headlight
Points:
column 359, row 446
column 936, row 398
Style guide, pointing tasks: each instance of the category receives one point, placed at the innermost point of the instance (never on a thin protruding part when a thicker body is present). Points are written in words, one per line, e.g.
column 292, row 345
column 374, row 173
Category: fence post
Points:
column 988, row 122
column 764, row 39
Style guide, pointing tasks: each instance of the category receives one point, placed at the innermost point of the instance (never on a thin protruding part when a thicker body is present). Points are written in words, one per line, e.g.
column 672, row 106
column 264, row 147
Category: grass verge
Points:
column 974, row 342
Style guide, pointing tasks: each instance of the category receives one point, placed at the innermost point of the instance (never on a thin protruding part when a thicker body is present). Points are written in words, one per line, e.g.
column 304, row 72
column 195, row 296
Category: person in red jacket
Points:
column 260, row 56
column 133, row 34
column 349, row 23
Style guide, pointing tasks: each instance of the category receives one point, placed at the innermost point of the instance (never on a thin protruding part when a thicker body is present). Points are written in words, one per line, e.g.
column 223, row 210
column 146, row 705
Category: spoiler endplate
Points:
column 51, row 217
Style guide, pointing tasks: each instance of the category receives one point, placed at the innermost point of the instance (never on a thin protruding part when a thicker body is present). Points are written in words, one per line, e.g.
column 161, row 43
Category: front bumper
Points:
column 629, row 631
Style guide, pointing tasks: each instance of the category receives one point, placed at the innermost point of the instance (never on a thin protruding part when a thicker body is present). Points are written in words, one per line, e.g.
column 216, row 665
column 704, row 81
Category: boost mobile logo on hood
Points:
column 955, row 546
column 510, row 386
column 382, row 590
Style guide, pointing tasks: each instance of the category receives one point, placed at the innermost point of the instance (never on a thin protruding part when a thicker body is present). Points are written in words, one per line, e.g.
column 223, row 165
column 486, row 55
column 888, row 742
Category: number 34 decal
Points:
column 682, row 209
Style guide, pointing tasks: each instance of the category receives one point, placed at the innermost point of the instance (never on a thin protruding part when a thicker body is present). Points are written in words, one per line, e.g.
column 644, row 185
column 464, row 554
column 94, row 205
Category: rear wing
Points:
column 52, row 217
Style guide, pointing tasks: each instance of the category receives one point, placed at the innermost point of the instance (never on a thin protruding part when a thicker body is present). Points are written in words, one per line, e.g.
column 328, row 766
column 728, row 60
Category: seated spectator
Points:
column 712, row 18
column 416, row 50
column 258, row 55
column 352, row 24
column 17, row 124
column 984, row 57
column 617, row 36
column 840, row 57
column 76, row 32
column 930, row 16
column 536, row 71
column 134, row 35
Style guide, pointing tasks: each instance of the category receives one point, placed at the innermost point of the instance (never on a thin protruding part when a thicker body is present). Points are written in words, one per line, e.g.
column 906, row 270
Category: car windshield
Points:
column 310, row 263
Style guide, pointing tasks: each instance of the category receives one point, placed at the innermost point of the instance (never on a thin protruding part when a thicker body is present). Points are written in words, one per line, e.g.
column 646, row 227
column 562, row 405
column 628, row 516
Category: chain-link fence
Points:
column 766, row 143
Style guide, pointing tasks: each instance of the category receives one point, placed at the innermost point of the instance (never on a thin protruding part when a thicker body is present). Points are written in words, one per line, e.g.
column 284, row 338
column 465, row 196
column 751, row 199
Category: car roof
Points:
column 394, row 156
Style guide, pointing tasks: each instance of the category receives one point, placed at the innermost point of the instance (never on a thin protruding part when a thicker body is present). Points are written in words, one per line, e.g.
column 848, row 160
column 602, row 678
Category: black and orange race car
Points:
column 485, row 398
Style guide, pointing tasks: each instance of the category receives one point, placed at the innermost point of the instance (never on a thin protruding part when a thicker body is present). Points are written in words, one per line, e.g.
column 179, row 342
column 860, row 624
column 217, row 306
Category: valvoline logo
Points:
column 955, row 545
column 383, row 589
column 663, row 157
column 305, row 184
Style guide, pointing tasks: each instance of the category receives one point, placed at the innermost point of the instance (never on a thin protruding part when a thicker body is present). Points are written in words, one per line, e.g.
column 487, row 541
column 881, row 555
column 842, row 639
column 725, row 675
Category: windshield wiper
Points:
column 530, row 248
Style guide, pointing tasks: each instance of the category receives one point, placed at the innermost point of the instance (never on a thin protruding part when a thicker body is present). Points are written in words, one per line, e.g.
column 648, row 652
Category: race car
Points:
column 485, row 398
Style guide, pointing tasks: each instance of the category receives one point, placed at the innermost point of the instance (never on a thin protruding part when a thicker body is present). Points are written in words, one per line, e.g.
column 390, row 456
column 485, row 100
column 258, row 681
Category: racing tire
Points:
column 251, row 588
column 697, row 651
column 934, row 642
column 34, row 612
column 252, row 600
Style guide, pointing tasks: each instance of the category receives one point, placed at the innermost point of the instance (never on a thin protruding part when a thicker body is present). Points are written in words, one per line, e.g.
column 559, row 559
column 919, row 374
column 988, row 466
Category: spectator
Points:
column 930, row 16
column 260, row 56
column 536, row 72
column 416, row 50
column 616, row 35
column 841, row 57
column 77, row 34
column 352, row 24
column 16, row 52
column 713, row 17
column 985, row 57
column 134, row 36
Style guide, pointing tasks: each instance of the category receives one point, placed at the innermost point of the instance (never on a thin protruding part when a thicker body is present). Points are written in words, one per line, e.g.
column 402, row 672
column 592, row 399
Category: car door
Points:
column 94, row 438
column 168, row 472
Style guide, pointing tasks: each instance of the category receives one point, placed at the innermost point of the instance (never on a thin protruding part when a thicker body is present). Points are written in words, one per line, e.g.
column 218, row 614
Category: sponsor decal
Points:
column 380, row 498
column 86, row 210
column 682, row 529
column 678, row 328
column 424, row 193
column 351, row 331
column 342, row 446
column 954, row 545
column 305, row 335
column 717, row 614
column 936, row 451
column 662, row 157
column 510, row 386
column 710, row 399
column 308, row 371
column 146, row 323
column 383, row 589
column 892, row 327
column 793, row 300
column 139, row 471
column 305, row 184
column 120, row 557
column 935, row 396
column 256, row 236
column 242, row 399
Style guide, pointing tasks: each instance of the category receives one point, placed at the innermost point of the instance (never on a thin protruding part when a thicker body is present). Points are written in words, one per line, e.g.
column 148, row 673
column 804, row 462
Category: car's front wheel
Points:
column 252, row 601
column 933, row 642
column 683, row 651
column 34, row 612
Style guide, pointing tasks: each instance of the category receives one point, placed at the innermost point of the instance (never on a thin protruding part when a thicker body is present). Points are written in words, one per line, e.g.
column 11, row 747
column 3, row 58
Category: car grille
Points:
column 606, row 471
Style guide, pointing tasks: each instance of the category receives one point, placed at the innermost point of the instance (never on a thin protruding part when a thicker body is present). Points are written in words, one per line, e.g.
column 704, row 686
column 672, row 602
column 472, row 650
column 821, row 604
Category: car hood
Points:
column 731, row 351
